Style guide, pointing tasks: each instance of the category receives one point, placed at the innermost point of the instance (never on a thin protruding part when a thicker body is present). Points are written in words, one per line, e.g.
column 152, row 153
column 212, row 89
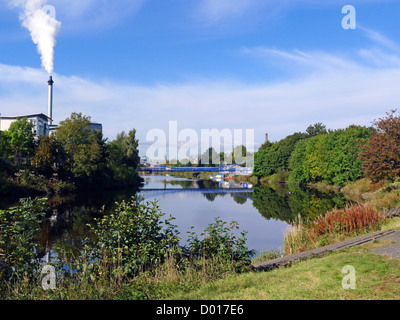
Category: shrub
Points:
column 19, row 228
column 335, row 225
column 134, row 238
column 352, row 219
column 220, row 241
column 381, row 155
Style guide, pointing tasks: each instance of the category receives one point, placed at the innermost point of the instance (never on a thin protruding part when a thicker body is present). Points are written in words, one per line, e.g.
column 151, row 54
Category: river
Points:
column 264, row 212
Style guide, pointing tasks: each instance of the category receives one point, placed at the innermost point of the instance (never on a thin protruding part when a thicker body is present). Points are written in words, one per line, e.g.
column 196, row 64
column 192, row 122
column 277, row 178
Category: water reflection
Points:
column 286, row 202
column 264, row 212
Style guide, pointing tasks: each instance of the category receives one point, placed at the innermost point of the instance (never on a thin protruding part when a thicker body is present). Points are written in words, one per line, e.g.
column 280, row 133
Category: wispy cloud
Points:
column 300, row 58
column 385, row 53
column 379, row 38
column 337, row 98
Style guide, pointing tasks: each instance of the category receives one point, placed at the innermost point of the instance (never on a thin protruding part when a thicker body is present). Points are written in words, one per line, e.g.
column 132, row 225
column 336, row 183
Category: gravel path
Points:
column 391, row 250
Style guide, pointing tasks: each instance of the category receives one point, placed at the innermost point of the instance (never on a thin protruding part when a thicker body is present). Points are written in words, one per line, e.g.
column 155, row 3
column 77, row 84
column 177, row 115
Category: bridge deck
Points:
column 194, row 169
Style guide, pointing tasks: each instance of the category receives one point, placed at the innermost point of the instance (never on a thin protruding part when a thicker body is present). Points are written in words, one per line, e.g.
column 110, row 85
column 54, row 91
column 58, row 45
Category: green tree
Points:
column 19, row 229
column 332, row 157
column 123, row 158
column 316, row 129
column 49, row 157
column 20, row 139
column 210, row 158
column 238, row 155
column 4, row 145
column 275, row 157
column 4, row 154
column 85, row 148
column 127, row 146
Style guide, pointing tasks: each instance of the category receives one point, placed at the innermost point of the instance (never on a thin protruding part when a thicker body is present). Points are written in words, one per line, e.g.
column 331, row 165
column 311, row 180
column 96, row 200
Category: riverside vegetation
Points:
column 73, row 158
column 362, row 162
column 133, row 254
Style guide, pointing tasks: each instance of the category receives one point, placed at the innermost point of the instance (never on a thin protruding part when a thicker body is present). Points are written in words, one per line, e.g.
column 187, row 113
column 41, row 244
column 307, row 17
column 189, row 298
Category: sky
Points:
column 272, row 66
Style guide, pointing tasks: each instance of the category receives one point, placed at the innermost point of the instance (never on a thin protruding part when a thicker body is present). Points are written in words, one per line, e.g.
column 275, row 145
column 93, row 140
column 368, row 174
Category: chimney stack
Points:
column 50, row 106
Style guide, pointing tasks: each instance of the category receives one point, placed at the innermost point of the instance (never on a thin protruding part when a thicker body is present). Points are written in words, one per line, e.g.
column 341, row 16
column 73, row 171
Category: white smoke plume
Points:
column 43, row 28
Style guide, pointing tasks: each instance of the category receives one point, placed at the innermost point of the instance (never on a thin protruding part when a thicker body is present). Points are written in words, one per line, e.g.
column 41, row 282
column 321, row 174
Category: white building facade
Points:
column 40, row 123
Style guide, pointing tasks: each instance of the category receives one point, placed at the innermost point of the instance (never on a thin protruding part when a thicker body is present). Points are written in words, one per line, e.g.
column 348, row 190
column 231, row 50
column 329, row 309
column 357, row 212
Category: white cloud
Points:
column 337, row 97
column 309, row 59
column 337, row 90
column 379, row 38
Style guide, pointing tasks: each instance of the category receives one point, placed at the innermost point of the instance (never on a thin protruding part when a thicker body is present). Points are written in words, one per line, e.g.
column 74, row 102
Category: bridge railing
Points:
column 227, row 168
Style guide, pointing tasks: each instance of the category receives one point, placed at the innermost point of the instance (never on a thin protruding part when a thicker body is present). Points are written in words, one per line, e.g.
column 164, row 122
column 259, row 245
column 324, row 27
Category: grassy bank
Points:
column 377, row 277
column 215, row 267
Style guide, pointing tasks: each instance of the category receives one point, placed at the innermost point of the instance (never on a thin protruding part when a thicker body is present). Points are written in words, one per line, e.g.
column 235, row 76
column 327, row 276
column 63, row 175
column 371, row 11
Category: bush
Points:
column 334, row 226
column 381, row 155
column 219, row 241
column 351, row 219
column 19, row 228
column 133, row 252
column 134, row 238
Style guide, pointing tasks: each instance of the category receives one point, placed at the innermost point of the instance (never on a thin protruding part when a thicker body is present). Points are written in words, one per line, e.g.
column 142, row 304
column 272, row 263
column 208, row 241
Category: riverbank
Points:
column 40, row 186
column 377, row 273
column 168, row 281
column 377, row 278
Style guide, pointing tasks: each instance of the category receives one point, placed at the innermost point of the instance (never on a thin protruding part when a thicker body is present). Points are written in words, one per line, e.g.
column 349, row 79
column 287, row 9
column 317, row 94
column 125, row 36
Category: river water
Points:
column 264, row 212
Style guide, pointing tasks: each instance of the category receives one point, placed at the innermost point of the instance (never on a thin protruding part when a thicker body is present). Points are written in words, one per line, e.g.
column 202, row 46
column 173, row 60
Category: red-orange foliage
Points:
column 345, row 221
column 381, row 155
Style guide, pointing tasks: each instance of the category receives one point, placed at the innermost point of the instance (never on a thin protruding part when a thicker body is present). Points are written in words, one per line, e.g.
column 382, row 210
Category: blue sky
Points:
column 274, row 66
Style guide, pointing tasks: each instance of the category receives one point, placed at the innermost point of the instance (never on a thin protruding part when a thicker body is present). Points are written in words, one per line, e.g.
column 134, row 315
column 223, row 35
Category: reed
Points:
column 334, row 226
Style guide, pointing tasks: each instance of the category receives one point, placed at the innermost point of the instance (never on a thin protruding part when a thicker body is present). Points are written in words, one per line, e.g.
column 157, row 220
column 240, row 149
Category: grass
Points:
column 166, row 280
column 361, row 189
column 377, row 277
column 266, row 255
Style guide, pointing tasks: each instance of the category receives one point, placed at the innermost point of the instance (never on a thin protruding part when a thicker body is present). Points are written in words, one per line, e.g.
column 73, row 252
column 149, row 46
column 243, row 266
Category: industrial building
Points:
column 42, row 124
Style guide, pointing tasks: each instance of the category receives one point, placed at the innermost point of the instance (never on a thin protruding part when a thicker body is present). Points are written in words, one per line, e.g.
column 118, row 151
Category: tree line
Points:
column 212, row 158
column 336, row 157
column 74, row 157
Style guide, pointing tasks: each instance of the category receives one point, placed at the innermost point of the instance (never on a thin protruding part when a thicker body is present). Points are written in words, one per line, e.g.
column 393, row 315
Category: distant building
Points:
column 93, row 126
column 40, row 123
column 96, row 126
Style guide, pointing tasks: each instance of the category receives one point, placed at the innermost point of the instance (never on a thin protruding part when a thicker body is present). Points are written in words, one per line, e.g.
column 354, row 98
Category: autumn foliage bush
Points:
column 331, row 227
column 381, row 155
column 351, row 219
